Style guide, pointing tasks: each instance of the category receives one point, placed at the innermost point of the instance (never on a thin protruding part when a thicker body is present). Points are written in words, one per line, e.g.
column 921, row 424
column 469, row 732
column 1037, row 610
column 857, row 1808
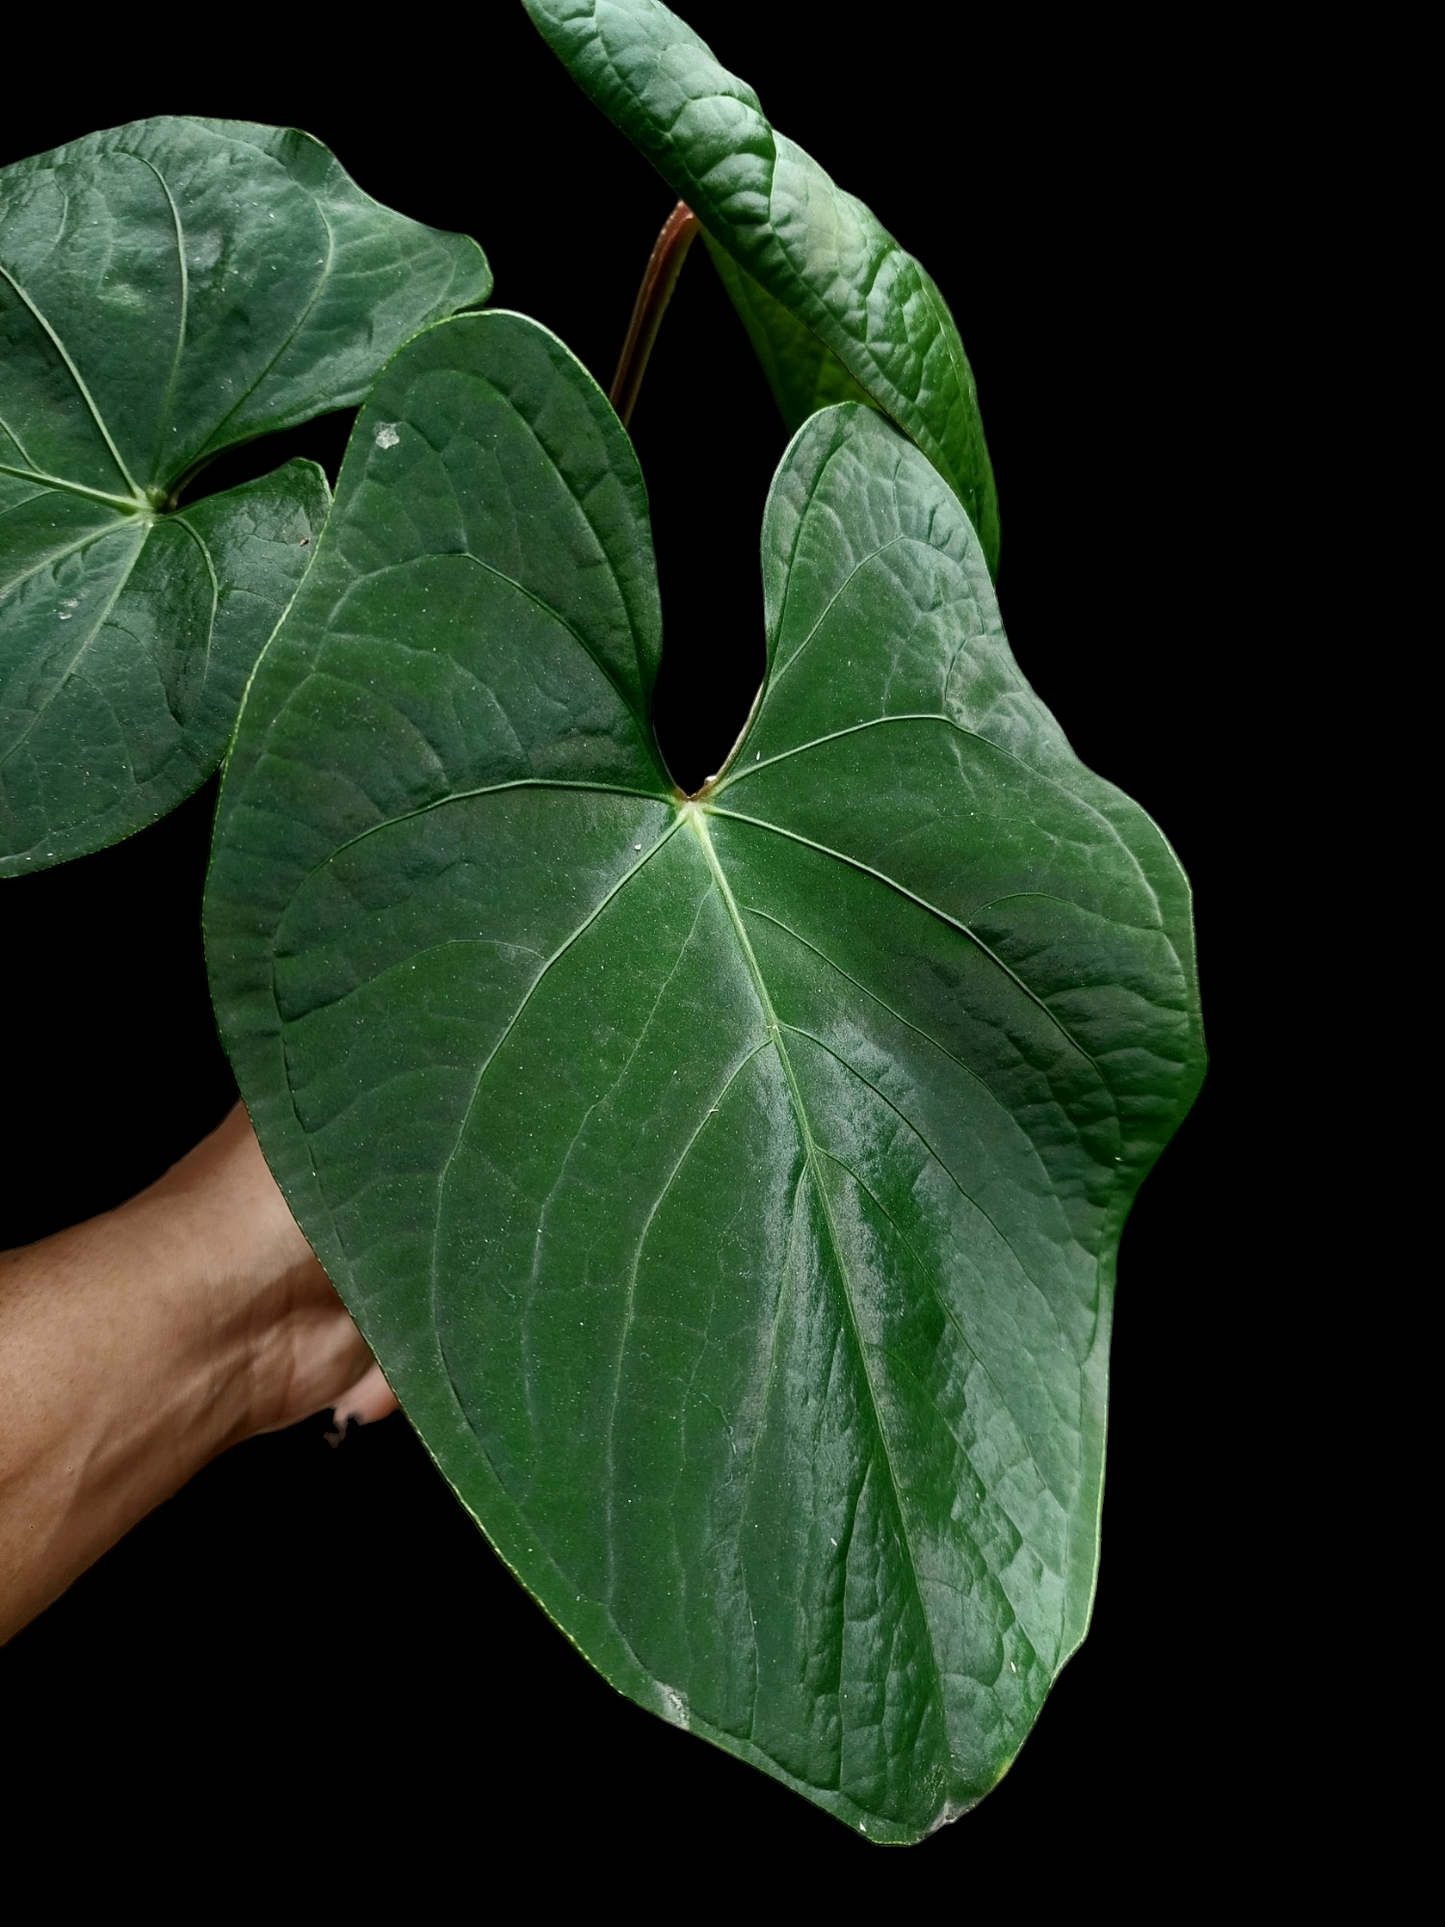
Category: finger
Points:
column 369, row 1399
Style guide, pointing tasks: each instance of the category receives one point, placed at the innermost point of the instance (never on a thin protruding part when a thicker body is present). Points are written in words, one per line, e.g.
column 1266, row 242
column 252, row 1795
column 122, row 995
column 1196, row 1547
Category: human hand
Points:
column 136, row 1347
column 305, row 1354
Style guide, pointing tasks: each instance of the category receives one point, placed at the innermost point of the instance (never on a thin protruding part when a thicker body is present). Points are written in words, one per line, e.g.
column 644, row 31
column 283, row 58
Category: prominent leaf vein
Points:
column 465, row 796
column 967, row 1197
column 59, row 555
column 620, row 1073
column 630, row 1305
column 819, row 1187
column 862, row 563
column 59, row 682
column 903, row 1364
column 908, row 1024
column 573, row 937
column 70, row 488
column 200, row 543
column 168, row 399
column 954, row 923
column 79, row 381
column 25, row 452
column 795, row 1219
column 302, row 317
column 973, row 735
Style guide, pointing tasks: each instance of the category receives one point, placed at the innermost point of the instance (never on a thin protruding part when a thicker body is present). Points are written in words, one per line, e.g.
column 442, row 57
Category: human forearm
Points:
column 135, row 1348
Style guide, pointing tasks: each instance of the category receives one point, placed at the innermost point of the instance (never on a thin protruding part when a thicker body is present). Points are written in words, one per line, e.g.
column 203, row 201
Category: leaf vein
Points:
column 66, row 674
column 968, row 1198
column 630, row 1306
column 943, row 916
column 573, row 937
column 812, row 1155
column 79, row 381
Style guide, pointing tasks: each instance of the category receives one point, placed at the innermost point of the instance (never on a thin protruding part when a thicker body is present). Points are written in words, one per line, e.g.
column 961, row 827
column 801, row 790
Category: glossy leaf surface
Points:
column 835, row 308
column 731, row 1186
column 169, row 289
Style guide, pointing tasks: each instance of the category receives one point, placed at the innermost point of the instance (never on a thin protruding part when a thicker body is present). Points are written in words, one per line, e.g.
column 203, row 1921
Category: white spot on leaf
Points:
column 674, row 1707
column 386, row 435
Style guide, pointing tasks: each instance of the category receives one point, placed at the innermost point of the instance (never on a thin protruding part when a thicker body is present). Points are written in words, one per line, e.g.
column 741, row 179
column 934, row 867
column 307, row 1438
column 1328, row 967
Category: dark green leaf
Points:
column 730, row 1186
column 127, row 644
column 801, row 372
column 169, row 289
column 835, row 308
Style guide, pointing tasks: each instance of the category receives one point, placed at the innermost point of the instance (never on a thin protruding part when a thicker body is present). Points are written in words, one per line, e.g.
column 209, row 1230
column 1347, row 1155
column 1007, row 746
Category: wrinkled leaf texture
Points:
column 835, row 309
column 169, row 289
column 729, row 1186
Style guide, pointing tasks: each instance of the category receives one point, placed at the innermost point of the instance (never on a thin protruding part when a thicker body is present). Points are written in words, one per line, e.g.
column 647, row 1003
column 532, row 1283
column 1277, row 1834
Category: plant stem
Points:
column 658, row 282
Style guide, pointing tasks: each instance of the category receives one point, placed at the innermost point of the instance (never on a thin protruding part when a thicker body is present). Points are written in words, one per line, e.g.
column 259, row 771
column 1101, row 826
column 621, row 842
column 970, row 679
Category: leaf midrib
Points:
column 813, row 1157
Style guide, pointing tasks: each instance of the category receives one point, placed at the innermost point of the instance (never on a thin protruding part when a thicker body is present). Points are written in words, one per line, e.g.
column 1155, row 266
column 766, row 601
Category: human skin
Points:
column 138, row 1346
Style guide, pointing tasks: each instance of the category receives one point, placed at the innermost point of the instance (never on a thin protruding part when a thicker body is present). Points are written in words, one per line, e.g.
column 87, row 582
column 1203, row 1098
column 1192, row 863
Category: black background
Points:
column 304, row 1634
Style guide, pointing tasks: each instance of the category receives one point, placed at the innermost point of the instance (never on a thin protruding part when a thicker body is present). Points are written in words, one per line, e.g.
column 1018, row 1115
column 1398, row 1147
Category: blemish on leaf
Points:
column 386, row 435
column 674, row 1707
column 948, row 1813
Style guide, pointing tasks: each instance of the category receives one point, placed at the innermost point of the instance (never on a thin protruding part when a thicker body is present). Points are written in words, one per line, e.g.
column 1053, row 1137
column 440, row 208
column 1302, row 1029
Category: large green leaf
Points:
column 835, row 308
column 730, row 1186
column 169, row 289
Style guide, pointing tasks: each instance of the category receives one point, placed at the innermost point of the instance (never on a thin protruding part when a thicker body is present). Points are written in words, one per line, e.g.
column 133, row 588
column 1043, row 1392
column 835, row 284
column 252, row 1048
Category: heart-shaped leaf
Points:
column 835, row 308
column 169, row 289
column 730, row 1186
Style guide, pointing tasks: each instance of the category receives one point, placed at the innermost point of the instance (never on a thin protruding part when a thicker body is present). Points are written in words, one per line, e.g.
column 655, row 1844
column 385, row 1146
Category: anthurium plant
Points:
column 728, row 1173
